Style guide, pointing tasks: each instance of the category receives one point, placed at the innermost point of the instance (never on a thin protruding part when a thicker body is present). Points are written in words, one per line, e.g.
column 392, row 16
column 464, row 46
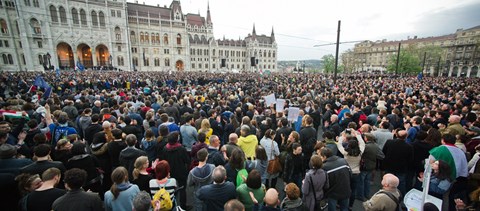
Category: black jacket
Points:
column 127, row 159
column 398, row 156
column 338, row 178
column 179, row 160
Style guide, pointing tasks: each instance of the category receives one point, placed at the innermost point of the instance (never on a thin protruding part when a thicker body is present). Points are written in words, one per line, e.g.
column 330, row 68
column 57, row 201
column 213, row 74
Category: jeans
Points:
column 353, row 186
column 363, row 186
column 332, row 204
column 297, row 179
column 270, row 183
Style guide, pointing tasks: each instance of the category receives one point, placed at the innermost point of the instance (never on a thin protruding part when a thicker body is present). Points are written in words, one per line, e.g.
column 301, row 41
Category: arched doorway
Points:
column 65, row 56
column 85, row 55
column 474, row 72
column 464, row 71
column 179, row 65
column 455, row 71
column 102, row 55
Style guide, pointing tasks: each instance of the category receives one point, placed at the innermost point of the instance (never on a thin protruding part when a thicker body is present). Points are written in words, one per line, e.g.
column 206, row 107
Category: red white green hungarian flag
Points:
column 12, row 113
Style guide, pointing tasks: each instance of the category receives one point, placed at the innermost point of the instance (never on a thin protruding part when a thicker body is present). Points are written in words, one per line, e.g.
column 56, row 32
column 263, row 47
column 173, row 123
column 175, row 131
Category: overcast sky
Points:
column 301, row 24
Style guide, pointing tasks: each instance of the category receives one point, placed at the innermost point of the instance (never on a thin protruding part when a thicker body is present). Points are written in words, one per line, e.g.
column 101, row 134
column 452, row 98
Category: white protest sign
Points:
column 270, row 99
column 280, row 105
column 293, row 113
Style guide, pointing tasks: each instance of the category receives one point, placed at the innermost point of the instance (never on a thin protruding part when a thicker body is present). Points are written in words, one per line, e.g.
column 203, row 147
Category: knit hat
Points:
column 7, row 151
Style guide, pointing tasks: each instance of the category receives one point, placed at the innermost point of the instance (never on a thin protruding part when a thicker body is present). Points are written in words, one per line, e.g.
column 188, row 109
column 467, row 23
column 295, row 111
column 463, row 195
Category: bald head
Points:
column 271, row 197
column 233, row 138
column 402, row 134
column 454, row 119
column 390, row 181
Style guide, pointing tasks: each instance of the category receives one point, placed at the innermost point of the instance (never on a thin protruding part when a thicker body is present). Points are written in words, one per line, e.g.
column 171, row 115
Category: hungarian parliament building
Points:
column 118, row 35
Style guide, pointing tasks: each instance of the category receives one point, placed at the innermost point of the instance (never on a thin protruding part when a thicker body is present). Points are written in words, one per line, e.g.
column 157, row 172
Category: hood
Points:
column 85, row 120
column 290, row 204
column 249, row 138
column 204, row 173
column 172, row 147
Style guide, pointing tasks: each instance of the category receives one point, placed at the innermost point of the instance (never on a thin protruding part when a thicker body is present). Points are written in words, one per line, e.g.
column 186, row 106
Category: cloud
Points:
column 442, row 22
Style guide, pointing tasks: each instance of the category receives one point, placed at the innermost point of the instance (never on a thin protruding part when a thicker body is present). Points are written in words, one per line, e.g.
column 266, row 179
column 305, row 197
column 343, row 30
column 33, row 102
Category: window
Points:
column 157, row 62
column 27, row 3
column 36, row 3
column 167, row 62
column 135, row 61
column 35, row 26
column 23, row 60
column 53, row 14
column 101, row 18
column 141, row 37
column 5, row 59
column 63, row 15
column 83, row 17
column 40, row 44
column 153, row 38
column 119, row 48
column 40, row 59
column 10, row 59
column 119, row 13
column 134, row 50
column 179, row 51
column 1, row 44
column 120, row 61
column 94, row 18
column 213, row 52
column 157, row 38
column 165, row 39
column 112, row 13
column 166, row 51
column 146, row 37
column 206, row 66
column 132, row 37
column 200, row 65
column 213, row 66
column 75, row 16
column 7, row 45
column 146, row 62
column 118, row 34
column 179, row 39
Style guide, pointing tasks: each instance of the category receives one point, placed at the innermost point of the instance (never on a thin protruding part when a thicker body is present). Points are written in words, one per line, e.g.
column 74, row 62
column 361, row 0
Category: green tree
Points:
column 409, row 63
column 328, row 62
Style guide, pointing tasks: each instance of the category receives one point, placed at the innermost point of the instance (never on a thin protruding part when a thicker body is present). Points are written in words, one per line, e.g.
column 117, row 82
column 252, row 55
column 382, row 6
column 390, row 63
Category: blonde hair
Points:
column 138, row 165
column 205, row 125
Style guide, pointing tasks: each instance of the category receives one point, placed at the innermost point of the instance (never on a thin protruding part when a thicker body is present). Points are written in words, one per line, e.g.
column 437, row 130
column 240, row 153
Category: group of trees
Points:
column 410, row 60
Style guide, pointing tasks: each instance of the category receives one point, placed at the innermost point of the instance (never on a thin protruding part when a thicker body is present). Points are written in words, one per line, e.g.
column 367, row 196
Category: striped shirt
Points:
column 169, row 186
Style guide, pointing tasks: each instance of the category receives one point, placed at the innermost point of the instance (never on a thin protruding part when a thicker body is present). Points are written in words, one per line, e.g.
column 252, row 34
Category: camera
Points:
column 348, row 131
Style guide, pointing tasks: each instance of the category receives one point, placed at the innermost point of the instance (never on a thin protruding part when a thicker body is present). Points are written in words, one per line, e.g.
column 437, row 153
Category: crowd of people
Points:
column 204, row 141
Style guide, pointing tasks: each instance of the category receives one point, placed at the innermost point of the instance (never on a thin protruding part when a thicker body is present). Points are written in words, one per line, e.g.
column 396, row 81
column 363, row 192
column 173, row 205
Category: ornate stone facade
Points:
column 460, row 54
column 107, row 34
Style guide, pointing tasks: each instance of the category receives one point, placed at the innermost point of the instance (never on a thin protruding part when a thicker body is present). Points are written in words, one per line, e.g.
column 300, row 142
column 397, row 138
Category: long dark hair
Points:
column 119, row 175
column 353, row 148
column 443, row 170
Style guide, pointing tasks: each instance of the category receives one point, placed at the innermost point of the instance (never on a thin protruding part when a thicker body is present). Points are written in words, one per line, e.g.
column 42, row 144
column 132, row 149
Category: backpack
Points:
column 59, row 133
column 164, row 198
column 394, row 199
column 240, row 177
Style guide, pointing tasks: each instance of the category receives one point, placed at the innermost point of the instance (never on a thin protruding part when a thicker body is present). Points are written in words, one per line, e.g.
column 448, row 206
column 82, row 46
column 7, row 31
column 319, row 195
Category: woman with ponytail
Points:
column 121, row 194
column 140, row 175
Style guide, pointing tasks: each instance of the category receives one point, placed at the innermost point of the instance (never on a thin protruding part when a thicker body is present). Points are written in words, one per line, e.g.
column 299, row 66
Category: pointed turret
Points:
column 273, row 36
column 254, row 33
column 209, row 18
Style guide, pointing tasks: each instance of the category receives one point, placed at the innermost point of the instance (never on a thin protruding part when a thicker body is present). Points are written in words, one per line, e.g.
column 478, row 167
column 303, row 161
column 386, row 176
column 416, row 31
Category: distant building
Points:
column 460, row 53
column 107, row 34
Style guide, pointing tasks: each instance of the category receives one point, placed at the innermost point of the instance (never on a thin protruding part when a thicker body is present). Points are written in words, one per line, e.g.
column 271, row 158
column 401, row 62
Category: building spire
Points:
column 209, row 18
column 254, row 33
column 273, row 35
